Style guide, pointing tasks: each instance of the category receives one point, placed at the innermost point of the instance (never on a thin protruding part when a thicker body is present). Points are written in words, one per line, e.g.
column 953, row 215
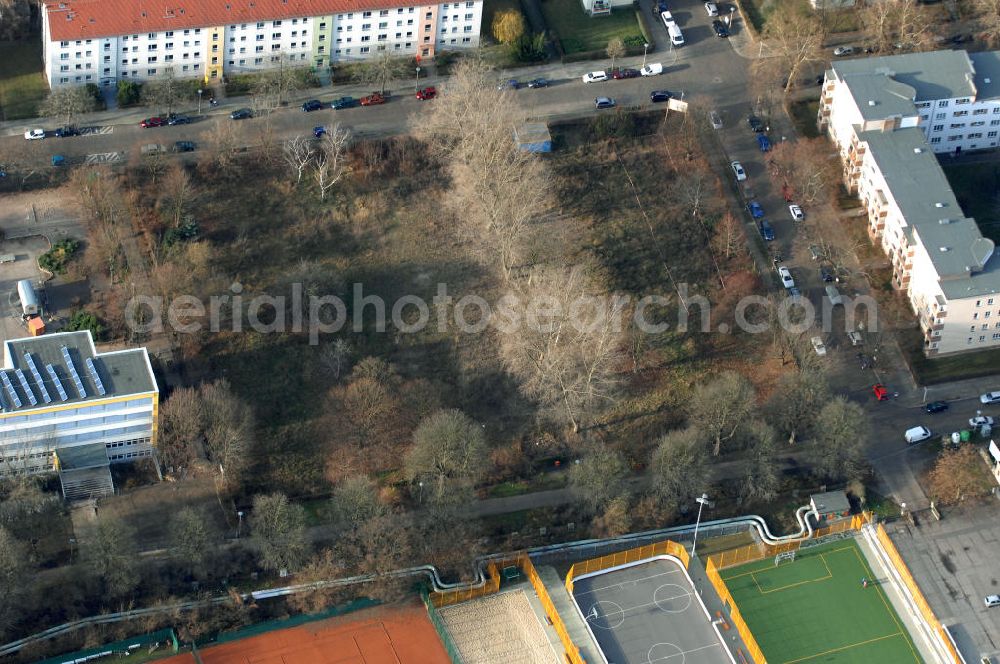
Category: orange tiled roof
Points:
column 88, row 19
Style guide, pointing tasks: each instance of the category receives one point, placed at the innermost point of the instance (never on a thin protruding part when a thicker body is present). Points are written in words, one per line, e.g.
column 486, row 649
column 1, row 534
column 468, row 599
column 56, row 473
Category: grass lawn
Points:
column 977, row 187
column 816, row 609
column 930, row 371
column 804, row 116
column 578, row 31
column 22, row 84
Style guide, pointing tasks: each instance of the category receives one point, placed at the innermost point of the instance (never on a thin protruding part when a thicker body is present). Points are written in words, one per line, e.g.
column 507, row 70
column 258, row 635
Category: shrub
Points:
column 54, row 260
column 129, row 93
column 85, row 320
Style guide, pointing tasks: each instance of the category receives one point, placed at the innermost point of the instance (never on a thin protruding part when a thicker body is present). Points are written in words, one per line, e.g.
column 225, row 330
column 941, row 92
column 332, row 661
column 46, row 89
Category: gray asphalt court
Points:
column 649, row 614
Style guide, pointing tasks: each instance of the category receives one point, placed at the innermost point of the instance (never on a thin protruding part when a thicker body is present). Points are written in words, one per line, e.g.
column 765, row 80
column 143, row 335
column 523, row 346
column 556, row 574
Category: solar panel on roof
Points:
column 55, row 381
column 10, row 389
column 72, row 373
column 38, row 378
column 93, row 374
column 26, row 387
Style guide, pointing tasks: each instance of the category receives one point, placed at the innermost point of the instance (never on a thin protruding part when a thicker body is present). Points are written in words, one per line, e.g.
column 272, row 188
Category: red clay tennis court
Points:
column 397, row 635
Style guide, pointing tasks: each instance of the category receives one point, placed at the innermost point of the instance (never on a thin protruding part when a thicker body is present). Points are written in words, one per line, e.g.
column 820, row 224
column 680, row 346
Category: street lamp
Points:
column 702, row 501
column 200, row 92
column 645, row 47
column 416, row 82
column 239, row 525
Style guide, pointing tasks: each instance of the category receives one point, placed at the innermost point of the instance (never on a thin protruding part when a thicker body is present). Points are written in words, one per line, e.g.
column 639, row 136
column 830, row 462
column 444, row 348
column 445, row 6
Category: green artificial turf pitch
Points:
column 815, row 609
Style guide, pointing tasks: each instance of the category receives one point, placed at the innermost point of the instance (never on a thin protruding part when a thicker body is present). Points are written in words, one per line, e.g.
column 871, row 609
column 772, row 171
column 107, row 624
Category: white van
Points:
column 668, row 20
column 652, row 69
column 676, row 36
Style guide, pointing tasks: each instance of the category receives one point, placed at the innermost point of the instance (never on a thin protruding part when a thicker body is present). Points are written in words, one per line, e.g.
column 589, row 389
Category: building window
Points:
column 466, row 40
column 938, row 128
column 936, row 139
column 957, row 125
column 959, row 114
column 940, row 116
column 979, row 303
column 151, row 72
column 978, row 123
column 982, row 338
column 366, row 15
column 975, row 135
column 980, row 111
column 943, row 104
column 963, row 100
column 365, row 49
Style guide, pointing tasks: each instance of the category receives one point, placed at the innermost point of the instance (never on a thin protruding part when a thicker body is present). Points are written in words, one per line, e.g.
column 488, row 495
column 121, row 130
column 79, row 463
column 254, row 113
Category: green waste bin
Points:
column 966, row 435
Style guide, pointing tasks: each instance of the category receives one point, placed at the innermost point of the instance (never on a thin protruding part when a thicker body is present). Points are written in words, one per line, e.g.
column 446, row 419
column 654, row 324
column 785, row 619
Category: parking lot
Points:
column 955, row 562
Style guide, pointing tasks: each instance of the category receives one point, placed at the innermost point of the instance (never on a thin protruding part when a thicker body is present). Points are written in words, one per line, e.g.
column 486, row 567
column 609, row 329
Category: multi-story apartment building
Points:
column 65, row 407
column 104, row 41
column 888, row 116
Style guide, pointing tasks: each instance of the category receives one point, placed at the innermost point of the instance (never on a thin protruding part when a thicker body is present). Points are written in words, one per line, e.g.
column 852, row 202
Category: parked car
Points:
column 741, row 174
column 990, row 397
column 936, row 407
column 855, row 338
column 595, row 76
column 786, row 277
column 429, row 92
column 796, row 212
column 842, row 51
column 241, row 114
column 711, row 9
column 720, row 29
column 34, row 134
column 992, row 600
column 312, row 105
column 63, row 132
column 916, row 434
column 980, row 420
column 668, row 19
column 343, row 102
column 538, row 83
column 652, row 69
column 763, row 142
column 715, row 119
column 880, row 392
column 510, row 84
column 604, row 102
column 660, row 95
column 624, row 72
column 817, row 344
column 766, row 231
column 755, row 210
column 374, row 99
column 825, row 274
column 153, row 122
column 174, row 120
column 756, row 124
column 319, row 132
column 184, row 146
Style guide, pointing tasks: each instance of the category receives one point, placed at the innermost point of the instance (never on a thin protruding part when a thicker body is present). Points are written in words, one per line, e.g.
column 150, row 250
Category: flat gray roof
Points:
column 987, row 65
column 830, row 502
column 120, row 373
column 932, row 75
column 879, row 96
column 928, row 204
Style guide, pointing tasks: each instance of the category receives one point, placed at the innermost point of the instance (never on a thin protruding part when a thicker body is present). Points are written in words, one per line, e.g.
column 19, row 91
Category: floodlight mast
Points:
column 702, row 501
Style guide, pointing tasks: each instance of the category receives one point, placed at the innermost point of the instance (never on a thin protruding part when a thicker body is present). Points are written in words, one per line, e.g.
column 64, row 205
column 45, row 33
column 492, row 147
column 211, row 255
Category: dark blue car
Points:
column 766, row 231
column 764, row 142
column 756, row 211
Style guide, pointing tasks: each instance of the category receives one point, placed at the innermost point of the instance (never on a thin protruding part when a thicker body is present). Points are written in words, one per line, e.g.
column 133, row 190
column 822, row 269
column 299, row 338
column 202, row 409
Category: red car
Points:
column 427, row 93
column 619, row 74
column 153, row 122
column 373, row 99
column 881, row 394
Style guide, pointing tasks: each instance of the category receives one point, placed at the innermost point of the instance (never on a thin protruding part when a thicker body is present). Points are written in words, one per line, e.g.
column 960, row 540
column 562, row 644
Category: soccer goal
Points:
column 787, row 555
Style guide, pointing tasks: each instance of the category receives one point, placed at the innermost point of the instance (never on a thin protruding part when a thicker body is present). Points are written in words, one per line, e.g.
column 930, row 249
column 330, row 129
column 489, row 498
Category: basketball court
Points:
column 649, row 613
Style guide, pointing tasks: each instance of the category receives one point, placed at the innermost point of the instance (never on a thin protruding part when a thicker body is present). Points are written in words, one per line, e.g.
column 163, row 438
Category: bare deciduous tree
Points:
column 355, row 500
column 897, row 25
column 164, row 92
column 988, row 21
column 298, row 154
column 382, row 70
column 760, row 479
column 959, row 473
column 181, row 426
column 279, row 528
column 178, row 193
column 13, row 578
column 795, row 41
column 809, row 166
column 721, row 407
column 615, row 49
column 679, row 466
column 330, row 162
column 449, row 453
column 796, row 403
column 229, row 430
column 840, row 434
column 598, row 477
column 336, row 356
column 67, row 103
column 566, row 343
column 112, row 554
column 193, row 540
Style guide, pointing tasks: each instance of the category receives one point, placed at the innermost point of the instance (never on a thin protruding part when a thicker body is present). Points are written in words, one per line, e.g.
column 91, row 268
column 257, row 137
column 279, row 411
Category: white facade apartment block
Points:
column 89, row 47
column 878, row 113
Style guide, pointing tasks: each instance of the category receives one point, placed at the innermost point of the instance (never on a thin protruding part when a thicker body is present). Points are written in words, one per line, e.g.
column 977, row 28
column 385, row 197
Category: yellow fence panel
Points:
column 572, row 651
column 918, row 595
column 734, row 613
column 667, row 547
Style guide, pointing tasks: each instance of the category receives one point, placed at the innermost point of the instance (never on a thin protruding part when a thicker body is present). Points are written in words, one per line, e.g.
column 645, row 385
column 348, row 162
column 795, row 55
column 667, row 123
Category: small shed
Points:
column 36, row 326
column 533, row 137
column 830, row 505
